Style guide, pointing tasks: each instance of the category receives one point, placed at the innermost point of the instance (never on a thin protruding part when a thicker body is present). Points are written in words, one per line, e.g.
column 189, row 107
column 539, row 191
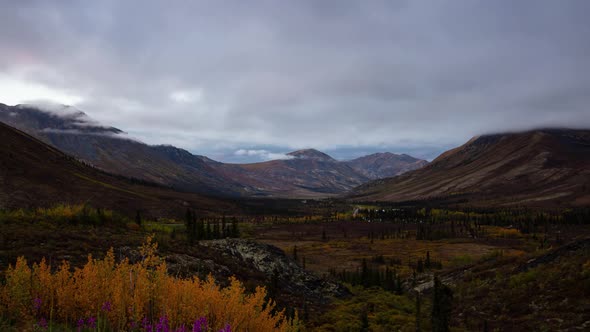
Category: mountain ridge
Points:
column 33, row 173
column 307, row 173
column 385, row 164
column 310, row 154
column 544, row 166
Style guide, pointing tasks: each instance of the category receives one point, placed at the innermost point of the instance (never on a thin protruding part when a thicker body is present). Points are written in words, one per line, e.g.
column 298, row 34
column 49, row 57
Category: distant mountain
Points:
column 312, row 154
column 384, row 165
column 539, row 167
column 34, row 174
column 306, row 173
column 310, row 173
column 109, row 149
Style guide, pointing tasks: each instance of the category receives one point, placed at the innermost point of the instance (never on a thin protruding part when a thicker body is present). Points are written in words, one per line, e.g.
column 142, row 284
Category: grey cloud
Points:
column 342, row 76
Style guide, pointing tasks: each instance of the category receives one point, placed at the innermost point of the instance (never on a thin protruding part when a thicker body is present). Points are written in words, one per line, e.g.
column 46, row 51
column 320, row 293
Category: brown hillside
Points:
column 539, row 167
column 34, row 174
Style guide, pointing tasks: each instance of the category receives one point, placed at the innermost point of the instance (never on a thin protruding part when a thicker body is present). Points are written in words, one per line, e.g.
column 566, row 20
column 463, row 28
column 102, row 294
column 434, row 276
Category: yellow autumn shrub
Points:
column 123, row 296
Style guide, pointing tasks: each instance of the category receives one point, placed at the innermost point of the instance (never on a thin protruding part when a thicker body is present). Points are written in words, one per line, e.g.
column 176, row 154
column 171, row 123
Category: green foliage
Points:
column 528, row 300
column 65, row 214
column 461, row 260
column 385, row 311
column 199, row 229
column 370, row 276
column 524, row 278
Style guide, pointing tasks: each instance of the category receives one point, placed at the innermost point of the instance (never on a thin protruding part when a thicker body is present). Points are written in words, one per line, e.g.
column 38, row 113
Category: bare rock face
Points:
column 186, row 266
column 250, row 262
column 273, row 263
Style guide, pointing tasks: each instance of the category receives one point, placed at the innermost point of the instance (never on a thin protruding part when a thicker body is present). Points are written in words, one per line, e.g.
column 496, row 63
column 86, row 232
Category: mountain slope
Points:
column 384, row 165
column 109, row 149
column 307, row 174
column 311, row 154
column 34, row 174
column 539, row 167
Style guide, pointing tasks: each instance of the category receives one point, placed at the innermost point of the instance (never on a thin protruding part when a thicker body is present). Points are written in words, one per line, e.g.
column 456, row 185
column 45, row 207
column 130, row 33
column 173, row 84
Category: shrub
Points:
column 124, row 296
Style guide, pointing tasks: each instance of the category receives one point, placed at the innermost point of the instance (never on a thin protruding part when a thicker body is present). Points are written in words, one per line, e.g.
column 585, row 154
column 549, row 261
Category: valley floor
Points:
column 504, row 276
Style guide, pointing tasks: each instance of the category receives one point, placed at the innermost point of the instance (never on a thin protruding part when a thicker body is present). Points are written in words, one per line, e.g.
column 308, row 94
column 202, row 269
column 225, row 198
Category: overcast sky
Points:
column 249, row 80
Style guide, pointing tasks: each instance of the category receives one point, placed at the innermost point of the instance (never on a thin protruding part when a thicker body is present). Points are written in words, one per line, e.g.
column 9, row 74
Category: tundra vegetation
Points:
column 407, row 268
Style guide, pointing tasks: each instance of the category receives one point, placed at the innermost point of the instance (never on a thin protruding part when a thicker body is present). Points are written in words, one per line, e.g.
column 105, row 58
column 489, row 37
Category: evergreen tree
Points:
column 235, row 232
column 441, row 306
column 208, row 231
column 274, row 284
column 365, row 278
column 190, row 228
column 420, row 266
column 224, row 232
column 216, row 231
column 418, row 328
column 137, row 218
column 197, row 235
column 201, row 229
column 364, row 320
column 399, row 285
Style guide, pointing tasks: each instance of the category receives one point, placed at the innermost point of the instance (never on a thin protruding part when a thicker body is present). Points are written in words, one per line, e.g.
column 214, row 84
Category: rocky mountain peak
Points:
column 311, row 154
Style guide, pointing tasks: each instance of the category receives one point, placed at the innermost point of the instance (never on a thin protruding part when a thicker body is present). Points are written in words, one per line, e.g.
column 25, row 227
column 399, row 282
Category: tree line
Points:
column 198, row 229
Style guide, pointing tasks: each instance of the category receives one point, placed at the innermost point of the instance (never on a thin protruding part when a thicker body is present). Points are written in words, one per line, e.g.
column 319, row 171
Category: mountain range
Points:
column 305, row 174
column 543, row 167
column 34, row 174
column 547, row 167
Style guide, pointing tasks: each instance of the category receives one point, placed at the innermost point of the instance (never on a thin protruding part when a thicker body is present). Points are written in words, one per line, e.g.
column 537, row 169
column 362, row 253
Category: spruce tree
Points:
column 441, row 306
column 364, row 320
column 195, row 228
column 365, row 278
column 137, row 218
column 188, row 223
column 201, row 230
column 208, row 231
column 235, row 232
column 418, row 328
column 224, row 234
column 216, row 233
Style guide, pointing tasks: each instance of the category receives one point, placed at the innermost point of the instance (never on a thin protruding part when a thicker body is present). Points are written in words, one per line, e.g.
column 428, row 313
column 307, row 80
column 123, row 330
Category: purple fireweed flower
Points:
column 181, row 328
column 91, row 322
column 106, row 306
column 37, row 303
column 80, row 324
column 162, row 325
column 42, row 323
column 227, row 328
column 200, row 325
column 146, row 325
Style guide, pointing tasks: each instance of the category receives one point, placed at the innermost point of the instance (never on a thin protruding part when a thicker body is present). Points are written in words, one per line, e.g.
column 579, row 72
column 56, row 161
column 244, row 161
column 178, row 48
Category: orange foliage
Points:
column 121, row 295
